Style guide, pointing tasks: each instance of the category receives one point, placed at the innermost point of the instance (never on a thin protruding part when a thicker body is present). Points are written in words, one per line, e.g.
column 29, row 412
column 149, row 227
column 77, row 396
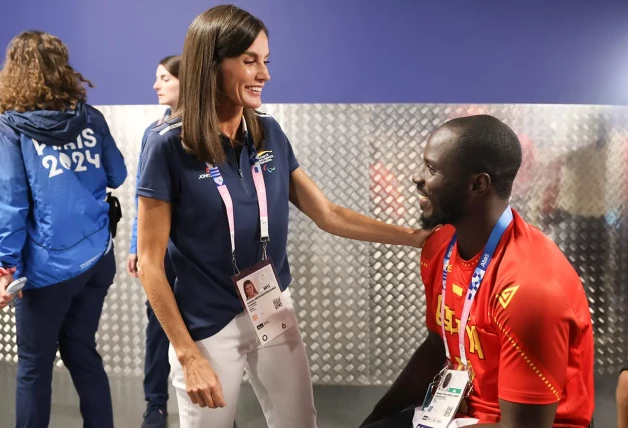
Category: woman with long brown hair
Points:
column 57, row 160
column 156, row 366
column 215, row 188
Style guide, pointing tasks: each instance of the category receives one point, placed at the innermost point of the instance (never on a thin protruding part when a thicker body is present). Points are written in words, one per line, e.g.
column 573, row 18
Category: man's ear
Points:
column 481, row 183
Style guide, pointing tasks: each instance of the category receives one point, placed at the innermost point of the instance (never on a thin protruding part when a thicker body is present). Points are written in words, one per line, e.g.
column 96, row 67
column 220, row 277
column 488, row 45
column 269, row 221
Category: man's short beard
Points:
column 428, row 223
column 448, row 213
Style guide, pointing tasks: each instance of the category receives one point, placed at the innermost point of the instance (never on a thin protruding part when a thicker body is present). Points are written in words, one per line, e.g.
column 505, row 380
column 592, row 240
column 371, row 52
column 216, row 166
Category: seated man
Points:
column 622, row 399
column 527, row 341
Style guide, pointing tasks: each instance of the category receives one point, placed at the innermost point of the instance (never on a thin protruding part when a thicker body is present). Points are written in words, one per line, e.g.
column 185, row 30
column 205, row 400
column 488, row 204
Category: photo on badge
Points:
column 446, row 381
column 248, row 290
column 253, row 283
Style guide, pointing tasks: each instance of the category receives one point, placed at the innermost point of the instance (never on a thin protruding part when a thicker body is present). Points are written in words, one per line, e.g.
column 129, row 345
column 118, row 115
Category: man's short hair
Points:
column 486, row 144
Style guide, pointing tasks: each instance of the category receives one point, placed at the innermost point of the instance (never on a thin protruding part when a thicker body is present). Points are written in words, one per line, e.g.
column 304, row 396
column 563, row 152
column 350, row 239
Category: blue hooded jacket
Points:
column 55, row 168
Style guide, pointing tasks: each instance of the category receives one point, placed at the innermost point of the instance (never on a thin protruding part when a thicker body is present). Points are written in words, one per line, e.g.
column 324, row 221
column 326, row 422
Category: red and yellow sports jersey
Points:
column 529, row 337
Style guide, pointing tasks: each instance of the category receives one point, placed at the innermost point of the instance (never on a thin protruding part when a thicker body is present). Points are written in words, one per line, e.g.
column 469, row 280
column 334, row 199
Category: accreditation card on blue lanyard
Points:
column 257, row 285
column 450, row 386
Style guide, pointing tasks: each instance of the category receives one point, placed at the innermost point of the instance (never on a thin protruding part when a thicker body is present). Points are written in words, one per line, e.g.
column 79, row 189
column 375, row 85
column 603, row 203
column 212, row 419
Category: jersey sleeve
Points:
column 155, row 179
column 533, row 320
column 430, row 311
column 431, row 304
column 293, row 163
column 431, row 265
column 133, row 244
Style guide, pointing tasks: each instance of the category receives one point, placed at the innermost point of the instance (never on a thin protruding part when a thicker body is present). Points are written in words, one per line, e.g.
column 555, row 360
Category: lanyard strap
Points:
column 260, row 187
column 478, row 275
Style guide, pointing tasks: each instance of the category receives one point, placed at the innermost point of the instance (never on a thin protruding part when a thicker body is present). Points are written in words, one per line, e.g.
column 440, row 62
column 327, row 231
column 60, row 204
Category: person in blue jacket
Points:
column 156, row 366
column 57, row 160
column 215, row 188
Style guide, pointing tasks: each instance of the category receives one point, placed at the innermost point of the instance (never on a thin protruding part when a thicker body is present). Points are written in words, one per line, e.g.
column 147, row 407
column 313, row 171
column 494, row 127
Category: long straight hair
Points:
column 221, row 32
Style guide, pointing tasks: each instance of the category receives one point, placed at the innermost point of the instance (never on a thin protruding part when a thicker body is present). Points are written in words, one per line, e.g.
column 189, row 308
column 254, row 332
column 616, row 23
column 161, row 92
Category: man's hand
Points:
column 6, row 298
column 409, row 388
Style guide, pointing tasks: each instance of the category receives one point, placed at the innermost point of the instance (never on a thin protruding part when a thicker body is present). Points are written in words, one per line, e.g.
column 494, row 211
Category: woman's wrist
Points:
column 7, row 271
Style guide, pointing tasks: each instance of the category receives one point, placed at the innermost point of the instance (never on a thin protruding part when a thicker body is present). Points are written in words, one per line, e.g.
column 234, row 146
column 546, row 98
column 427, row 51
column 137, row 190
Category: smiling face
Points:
column 249, row 290
column 242, row 78
column 441, row 183
column 469, row 166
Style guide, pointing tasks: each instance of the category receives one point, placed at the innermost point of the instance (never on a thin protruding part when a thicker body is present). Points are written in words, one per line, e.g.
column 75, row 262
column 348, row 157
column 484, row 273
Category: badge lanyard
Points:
column 478, row 275
column 260, row 186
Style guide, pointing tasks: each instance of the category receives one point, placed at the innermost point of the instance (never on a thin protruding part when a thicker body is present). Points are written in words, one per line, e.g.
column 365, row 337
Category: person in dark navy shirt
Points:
column 217, row 167
column 156, row 366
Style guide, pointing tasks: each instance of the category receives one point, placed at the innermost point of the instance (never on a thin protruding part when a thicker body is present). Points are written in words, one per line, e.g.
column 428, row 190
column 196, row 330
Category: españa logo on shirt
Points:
column 452, row 325
column 212, row 173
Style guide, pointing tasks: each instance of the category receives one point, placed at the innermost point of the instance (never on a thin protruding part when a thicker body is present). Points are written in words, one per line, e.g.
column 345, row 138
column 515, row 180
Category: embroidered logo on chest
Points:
column 265, row 159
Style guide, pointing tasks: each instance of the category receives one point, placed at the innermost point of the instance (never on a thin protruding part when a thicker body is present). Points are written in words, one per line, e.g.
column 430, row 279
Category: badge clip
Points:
column 236, row 271
column 264, row 247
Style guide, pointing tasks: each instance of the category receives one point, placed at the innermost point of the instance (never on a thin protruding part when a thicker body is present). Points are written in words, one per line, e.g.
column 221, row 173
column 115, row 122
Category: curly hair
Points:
column 38, row 76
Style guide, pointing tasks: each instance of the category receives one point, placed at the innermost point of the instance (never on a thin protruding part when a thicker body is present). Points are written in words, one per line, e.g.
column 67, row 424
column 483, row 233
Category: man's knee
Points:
column 622, row 388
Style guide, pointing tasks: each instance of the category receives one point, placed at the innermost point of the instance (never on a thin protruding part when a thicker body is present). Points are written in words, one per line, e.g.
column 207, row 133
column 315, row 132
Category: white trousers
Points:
column 279, row 373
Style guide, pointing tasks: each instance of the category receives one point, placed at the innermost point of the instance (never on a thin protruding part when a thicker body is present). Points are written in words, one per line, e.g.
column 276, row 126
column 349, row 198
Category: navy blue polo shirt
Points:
column 200, row 243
